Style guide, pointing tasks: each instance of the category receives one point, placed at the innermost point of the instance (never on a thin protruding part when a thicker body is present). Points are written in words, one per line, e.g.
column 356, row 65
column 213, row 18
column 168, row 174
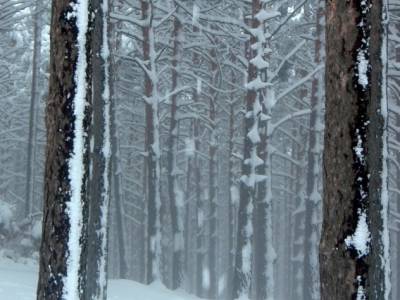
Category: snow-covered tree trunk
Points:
column 354, row 260
column 173, row 189
column 63, row 250
column 313, row 197
column 255, row 195
column 100, row 137
column 152, row 145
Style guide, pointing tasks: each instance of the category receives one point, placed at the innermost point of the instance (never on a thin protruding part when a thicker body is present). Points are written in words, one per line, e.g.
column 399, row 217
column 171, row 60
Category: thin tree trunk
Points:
column 35, row 97
column 99, row 181
column 247, row 269
column 177, row 237
column 231, row 205
column 212, row 184
column 312, row 202
column 115, row 159
column 152, row 146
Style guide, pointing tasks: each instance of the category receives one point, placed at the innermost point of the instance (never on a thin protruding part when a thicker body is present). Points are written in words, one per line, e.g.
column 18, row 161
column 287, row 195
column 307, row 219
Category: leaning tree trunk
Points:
column 63, row 249
column 354, row 245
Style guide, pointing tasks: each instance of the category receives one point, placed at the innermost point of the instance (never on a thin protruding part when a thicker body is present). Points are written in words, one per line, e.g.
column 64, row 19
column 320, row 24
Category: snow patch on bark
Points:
column 363, row 65
column 361, row 238
column 106, row 150
column 76, row 162
column 384, row 176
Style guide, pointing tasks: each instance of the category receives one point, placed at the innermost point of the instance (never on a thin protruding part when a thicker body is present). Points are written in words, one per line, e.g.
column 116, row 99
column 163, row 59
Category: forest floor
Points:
column 18, row 282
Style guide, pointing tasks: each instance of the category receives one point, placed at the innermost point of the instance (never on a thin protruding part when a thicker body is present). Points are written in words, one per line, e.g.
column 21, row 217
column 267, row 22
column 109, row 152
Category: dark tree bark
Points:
column 61, row 138
column 100, row 134
column 250, row 259
column 353, row 152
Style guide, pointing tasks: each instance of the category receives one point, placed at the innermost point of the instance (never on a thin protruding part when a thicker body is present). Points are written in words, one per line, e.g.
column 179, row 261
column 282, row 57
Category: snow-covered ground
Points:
column 18, row 282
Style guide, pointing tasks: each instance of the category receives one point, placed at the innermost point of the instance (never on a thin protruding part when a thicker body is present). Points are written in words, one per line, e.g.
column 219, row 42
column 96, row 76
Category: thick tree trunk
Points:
column 63, row 249
column 352, row 250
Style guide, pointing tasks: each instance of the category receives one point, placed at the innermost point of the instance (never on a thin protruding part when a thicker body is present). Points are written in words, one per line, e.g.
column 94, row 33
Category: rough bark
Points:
column 60, row 138
column 250, row 199
column 352, row 184
column 99, row 181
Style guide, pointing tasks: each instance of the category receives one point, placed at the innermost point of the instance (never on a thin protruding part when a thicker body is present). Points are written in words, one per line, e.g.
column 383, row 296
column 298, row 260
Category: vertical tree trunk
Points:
column 63, row 249
column 212, row 182
column 35, row 95
column 177, row 237
column 353, row 249
column 250, row 260
column 200, row 213
column 231, row 198
column 152, row 147
column 313, row 197
column 100, row 134
column 115, row 159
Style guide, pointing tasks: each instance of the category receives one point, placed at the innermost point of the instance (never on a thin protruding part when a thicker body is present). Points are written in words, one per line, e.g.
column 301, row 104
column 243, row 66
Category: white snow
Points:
column 18, row 282
column 190, row 147
column 76, row 170
column 106, row 151
column 363, row 64
column 199, row 86
column 359, row 148
column 361, row 238
column 37, row 230
column 6, row 215
column 206, row 279
column 264, row 15
column 195, row 15
column 385, row 151
column 360, row 290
